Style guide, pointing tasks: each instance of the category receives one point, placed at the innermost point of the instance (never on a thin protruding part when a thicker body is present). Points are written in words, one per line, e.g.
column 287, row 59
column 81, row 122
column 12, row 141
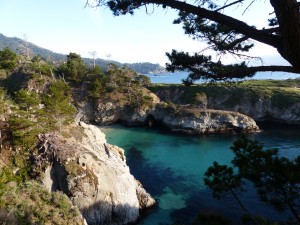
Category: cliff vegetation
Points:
column 38, row 104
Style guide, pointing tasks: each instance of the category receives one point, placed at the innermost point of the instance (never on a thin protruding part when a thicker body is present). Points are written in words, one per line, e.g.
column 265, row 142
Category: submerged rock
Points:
column 94, row 175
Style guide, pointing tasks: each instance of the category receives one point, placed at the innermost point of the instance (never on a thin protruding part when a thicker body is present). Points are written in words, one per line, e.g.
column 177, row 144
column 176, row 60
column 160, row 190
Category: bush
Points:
column 8, row 59
column 30, row 203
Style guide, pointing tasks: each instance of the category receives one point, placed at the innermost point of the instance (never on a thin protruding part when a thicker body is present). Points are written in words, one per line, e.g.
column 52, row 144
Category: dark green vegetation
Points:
column 276, row 179
column 37, row 97
column 23, row 47
column 220, row 25
column 29, row 203
column 281, row 93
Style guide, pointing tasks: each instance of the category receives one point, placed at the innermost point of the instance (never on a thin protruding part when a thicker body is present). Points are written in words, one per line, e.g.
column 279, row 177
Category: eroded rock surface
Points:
column 204, row 121
column 177, row 118
column 280, row 107
column 94, row 175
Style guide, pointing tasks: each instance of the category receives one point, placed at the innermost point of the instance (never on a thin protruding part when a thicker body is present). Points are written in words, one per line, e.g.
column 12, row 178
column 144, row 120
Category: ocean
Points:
column 171, row 168
column 176, row 78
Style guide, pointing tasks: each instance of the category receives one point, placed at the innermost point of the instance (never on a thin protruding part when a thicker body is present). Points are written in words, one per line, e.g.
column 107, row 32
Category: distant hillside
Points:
column 20, row 46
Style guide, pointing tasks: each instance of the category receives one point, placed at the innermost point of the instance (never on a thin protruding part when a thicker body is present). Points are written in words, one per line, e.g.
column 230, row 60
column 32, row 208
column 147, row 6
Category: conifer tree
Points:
column 214, row 22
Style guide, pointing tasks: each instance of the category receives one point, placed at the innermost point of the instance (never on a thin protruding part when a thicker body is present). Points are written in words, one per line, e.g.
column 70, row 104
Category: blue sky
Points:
column 66, row 26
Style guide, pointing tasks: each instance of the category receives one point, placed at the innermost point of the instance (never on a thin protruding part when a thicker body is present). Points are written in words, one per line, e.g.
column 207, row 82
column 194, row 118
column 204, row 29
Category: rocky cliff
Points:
column 279, row 103
column 178, row 118
column 93, row 174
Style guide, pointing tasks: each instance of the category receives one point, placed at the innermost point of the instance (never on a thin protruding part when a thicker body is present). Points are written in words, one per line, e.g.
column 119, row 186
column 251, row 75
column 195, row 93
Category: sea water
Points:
column 176, row 78
column 171, row 167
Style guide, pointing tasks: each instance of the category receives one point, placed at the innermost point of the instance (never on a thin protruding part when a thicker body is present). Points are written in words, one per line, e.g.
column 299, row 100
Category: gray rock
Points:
column 260, row 109
column 203, row 121
column 199, row 122
column 94, row 175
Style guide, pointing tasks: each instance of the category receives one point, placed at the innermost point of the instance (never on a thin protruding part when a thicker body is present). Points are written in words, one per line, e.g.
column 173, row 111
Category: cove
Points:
column 171, row 168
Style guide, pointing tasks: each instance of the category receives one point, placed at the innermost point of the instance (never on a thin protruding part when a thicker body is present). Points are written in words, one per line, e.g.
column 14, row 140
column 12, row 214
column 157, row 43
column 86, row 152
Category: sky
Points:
column 66, row 26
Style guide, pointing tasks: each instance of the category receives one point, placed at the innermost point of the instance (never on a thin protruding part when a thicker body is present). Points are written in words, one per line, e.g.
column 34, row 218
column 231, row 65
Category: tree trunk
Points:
column 287, row 13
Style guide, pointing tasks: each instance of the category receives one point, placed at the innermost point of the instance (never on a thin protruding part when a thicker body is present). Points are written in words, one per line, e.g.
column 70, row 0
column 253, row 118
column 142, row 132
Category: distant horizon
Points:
column 65, row 54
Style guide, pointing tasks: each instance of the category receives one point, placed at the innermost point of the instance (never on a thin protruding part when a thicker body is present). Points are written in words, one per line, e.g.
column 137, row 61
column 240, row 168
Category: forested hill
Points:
column 24, row 47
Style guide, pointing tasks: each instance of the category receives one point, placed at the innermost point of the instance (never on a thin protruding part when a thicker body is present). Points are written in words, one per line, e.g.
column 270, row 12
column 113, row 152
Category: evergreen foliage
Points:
column 26, row 121
column 58, row 107
column 75, row 69
column 40, row 66
column 225, row 33
column 8, row 59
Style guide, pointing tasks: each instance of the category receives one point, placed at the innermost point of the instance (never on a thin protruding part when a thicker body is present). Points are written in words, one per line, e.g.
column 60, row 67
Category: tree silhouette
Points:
column 275, row 178
column 212, row 21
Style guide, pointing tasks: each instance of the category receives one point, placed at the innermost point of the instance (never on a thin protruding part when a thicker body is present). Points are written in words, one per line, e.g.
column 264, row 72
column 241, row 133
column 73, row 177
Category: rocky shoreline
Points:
column 185, row 119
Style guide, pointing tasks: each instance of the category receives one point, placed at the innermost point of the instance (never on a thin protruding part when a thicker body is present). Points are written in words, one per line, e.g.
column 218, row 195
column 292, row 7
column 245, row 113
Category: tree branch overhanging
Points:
column 204, row 20
column 201, row 67
column 122, row 7
column 228, row 5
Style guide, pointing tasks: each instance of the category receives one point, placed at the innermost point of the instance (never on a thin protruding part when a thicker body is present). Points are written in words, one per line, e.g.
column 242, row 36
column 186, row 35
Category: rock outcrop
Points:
column 94, row 175
column 177, row 118
column 113, row 109
column 191, row 120
column 261, row 105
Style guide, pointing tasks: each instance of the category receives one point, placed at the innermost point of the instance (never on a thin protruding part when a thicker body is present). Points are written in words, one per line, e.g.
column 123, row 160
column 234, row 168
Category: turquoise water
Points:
column 171, row 168
column 176, row 78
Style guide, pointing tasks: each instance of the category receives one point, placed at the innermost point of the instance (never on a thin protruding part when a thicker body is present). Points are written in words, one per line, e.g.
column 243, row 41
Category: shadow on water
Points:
column 152, row 176
column 202, row 201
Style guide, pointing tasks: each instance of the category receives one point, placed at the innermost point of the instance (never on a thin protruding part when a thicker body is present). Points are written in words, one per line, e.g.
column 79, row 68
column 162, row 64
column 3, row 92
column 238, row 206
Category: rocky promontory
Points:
column 277, row 101
column 191, row 120
column 176, row 118
column 93, row 174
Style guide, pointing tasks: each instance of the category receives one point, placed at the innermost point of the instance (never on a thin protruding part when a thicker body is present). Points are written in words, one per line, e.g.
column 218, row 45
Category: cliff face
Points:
column 176, row 118
column 260, row 103
column 262, row 110
column 94, row 175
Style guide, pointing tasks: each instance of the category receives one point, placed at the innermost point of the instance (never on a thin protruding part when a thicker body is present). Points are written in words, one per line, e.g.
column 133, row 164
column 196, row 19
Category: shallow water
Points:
column 171, row 168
